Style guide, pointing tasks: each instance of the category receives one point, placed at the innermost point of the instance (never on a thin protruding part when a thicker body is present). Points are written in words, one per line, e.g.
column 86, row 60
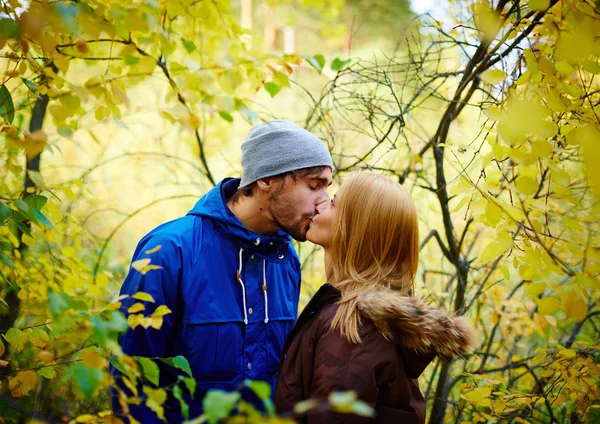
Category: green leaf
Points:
column 143, row 296
column 188, row 45
column 227, row 117
column 68, row 14
column 7, row 108
column 58, row 303
column 88, row 379
column 281, row 79
column 7, row 261
column 219, row 404
column 338, row 64
column 6, row 246
column 16, row 338
column 272, row 88
column 178, row 362
column 261, row 388
column 5, row 212
column 150, row 369
column 131, row 60
column 22, row 206
column 8, row 29
column 29, row 84
column 23, row 227
column 190, row 383
column 362, row 409
column 48, row 372
column 249, row 113
column 42, row 219
column 342, row 398
column 178, row 394
column 317, row 62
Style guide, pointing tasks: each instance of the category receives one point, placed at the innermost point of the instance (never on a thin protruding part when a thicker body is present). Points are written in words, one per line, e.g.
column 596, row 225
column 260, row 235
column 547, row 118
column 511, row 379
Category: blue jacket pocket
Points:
column 214, row 350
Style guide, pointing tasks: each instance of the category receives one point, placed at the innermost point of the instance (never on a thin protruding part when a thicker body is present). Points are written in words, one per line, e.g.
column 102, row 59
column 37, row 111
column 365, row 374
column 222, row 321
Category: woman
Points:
column 363, row 331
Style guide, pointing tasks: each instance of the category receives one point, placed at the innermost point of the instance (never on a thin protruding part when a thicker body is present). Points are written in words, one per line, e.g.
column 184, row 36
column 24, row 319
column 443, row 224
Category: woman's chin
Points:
column 310, row 236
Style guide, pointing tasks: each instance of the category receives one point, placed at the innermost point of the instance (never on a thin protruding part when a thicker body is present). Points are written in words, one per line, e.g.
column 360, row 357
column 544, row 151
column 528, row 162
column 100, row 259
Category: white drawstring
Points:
column 239, row 278
column 264, row 289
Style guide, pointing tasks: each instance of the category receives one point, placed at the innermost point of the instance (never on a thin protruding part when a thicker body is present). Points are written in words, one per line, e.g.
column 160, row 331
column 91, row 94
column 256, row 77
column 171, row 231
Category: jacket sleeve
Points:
column 341, row 366
column 163, row 285
column 160, row 283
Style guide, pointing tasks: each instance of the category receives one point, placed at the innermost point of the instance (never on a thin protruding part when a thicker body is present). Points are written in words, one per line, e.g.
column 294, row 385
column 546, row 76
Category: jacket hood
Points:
column 421, row 330
column 213, row 205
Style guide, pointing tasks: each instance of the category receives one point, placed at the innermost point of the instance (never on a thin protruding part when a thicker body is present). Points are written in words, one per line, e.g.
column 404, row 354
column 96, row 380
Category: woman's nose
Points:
column 323, row 206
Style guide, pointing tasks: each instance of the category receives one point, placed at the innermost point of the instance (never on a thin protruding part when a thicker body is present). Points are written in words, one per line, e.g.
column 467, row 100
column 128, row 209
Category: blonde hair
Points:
column 375, row 244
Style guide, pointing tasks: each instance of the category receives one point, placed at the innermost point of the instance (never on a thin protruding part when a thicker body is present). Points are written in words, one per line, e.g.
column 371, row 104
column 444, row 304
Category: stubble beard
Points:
column 284, row 213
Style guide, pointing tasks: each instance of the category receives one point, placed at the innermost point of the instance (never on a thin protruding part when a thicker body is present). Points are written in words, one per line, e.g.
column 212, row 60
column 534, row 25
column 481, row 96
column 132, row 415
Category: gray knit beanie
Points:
column 276, row 147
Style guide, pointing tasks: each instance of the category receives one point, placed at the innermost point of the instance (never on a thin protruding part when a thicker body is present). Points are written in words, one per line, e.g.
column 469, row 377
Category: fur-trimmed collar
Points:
column 410, row 323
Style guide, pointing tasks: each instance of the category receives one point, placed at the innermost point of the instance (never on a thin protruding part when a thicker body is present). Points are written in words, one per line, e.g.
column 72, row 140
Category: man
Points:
column 228, row 271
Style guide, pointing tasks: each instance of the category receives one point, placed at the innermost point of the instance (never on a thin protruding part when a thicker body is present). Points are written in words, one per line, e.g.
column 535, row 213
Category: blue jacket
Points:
column 233, row 296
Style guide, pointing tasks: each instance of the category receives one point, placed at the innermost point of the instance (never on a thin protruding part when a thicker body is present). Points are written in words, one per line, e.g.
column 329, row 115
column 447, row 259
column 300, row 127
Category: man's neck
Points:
column 252, row 212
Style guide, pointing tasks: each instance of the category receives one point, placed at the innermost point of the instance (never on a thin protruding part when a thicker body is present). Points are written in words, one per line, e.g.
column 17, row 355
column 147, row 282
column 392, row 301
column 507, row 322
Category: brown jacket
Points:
column 400, row 337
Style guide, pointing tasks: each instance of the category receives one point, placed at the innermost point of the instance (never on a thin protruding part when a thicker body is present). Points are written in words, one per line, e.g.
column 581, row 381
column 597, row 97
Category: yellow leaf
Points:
column 134, row 320
column 492, row 251
column 526, row 185
column 28, row 378
column 574, row 306
column 567, row 353
column 1, row 348
column 140, row 264
column 538, row 5
column 84, row 418
column 155, row 249
column 34, row 143
column 477, row 395
column 548, row 305
column 62, row 63
column 136, row 307
column 93, row 359
column 493, row 213
column 147, row 268
column 535, row 290
column 494, row 113
column 147, row 321
column 3, row 363
column 156, row 322
column 46, row 357
column 143, row 296
column 493, row 76
column 161, row 311
column 486, row 20
column 564, row 67
column 99, row 113
column 591, row 67
column 39, row 338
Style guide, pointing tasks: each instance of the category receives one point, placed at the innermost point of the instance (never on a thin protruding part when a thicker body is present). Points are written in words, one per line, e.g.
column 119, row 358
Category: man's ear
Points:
column 265, row 184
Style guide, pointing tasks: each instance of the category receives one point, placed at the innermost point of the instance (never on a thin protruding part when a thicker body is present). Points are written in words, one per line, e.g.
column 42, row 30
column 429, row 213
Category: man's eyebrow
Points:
column 322, row 180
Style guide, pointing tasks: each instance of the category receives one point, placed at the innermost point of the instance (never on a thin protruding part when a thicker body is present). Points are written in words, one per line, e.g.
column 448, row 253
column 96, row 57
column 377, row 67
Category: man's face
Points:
column 293, row 203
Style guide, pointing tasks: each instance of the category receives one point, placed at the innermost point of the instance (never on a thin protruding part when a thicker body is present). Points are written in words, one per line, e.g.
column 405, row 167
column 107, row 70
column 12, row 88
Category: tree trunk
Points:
column 289, row 40
column 270, row 42
column 11, row 298
column 247, row 20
